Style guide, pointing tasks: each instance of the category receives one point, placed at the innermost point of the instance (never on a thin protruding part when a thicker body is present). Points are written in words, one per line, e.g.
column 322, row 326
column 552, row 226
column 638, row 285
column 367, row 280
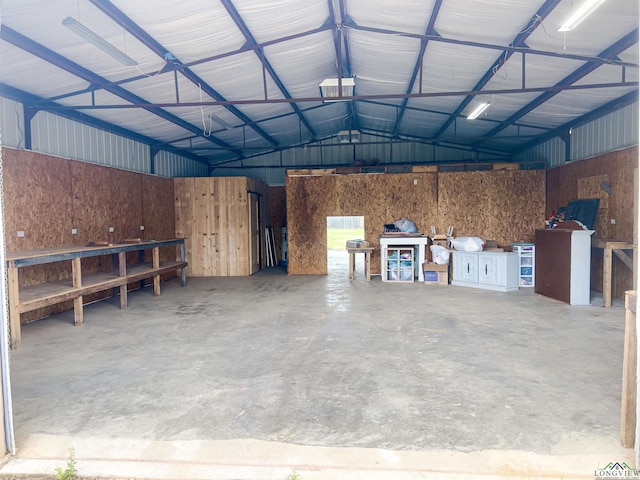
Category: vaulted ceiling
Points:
column 220, row 80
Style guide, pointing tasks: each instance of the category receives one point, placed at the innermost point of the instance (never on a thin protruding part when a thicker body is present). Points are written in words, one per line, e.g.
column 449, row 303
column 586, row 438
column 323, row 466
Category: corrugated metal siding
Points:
column 616, row 130
column 62, row 137
column 11, row 123
column 270, row 176
column 552, row 152
column 169, row 164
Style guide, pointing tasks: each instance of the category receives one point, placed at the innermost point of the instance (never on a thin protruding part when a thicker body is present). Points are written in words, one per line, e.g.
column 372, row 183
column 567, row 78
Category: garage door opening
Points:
column 339, row 230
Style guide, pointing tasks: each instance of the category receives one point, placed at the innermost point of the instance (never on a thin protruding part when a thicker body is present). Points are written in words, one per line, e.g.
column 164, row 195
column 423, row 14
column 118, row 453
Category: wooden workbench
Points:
column 611, row 247
column 367, row 261
column 28, row 298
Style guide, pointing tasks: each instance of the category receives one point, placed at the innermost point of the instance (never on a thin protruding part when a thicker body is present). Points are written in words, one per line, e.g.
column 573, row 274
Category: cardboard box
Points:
column 435, row 274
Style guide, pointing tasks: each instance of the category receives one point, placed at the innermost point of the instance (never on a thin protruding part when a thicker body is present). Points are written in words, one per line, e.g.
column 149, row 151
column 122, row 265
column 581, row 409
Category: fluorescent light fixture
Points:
column 90, row 36
column 479, row 110
column 329, row 89
column 580, row 14
column 224, row 124
column 348, row 136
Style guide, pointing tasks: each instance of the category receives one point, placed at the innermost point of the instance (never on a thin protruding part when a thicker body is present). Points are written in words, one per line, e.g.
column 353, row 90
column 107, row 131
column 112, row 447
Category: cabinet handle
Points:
column 468, row 264
column 485, row 269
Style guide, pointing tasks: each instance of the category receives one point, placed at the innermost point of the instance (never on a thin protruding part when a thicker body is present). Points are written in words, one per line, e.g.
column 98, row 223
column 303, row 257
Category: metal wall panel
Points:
column 169, row 164
column 614, row 131
column 59, row 136
column 11, row 123
column 552, row 152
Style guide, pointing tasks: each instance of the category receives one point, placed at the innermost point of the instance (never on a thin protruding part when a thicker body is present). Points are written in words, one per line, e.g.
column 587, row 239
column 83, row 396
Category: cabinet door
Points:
column 467, row 267
column 487, row 265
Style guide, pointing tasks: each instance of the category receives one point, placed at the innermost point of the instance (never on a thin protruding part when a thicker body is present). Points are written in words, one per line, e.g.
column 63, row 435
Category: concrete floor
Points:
column 254, row 377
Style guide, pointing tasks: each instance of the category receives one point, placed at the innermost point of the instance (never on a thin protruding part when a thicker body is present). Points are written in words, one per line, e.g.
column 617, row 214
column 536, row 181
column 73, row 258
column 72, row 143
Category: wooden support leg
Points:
column 76, row 273
column 607, row 266
column 122, row 271
column 629, row 365
column 156, row 265
column 352, row 265
column 183, row 271
column 367, row 265
column 14, row 305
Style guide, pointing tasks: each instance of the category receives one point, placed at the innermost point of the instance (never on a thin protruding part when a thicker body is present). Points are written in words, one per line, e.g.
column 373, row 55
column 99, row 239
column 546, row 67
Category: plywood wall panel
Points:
column 577, row 179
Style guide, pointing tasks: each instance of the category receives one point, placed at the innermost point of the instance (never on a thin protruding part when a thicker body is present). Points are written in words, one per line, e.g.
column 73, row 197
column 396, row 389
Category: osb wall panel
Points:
column 579, row 179
column 47, row 196
column 379, row 199
column 278, row 215
column 505, row 206
column 212, row 215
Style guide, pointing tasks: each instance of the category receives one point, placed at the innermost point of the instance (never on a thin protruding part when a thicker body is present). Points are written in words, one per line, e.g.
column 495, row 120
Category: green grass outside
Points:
column 337, row 237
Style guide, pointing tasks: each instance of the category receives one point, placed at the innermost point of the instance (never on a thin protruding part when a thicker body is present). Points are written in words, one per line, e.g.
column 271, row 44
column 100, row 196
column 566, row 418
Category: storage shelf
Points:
column 28, row 298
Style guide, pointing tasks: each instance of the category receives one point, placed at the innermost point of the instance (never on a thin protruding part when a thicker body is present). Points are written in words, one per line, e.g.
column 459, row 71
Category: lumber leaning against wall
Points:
column 47, row 196
column 583, row 179
column 506, row 206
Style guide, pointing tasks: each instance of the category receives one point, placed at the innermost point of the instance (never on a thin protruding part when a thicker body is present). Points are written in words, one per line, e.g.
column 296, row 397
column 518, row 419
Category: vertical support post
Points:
column 29, row 113
column 629, row 374
column 122, row 272
column 607, row 267
column 636, row 200
column 14, row 305
column 183, row 273
column 352, row 264
column 76, row 274
column 156, row 265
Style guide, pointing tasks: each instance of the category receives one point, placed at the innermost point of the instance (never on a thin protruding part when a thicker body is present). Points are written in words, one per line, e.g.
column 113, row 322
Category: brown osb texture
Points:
column 581, row 179
column 379, row 199
column 46, row 196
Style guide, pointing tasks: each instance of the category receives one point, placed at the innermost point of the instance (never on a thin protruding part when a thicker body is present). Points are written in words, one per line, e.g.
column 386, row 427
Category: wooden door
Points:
column 255, row 230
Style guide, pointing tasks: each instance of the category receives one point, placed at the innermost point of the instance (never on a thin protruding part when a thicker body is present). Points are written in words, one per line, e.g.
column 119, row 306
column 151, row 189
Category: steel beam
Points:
column 242, row 26
column 147, row 40
column 518, row 41
column 620, row 46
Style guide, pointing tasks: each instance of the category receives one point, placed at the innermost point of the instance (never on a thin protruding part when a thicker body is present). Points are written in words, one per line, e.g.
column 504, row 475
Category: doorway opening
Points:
column 339, row 230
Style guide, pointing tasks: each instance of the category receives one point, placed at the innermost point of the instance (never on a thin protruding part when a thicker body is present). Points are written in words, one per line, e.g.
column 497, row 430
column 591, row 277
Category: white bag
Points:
column 440, row 255
column 468, row 244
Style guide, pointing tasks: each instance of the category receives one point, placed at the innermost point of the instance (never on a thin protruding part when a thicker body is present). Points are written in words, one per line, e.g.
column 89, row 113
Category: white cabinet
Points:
column 417, row 241
column 488, row 270
column 400, row 264
column 526, row 263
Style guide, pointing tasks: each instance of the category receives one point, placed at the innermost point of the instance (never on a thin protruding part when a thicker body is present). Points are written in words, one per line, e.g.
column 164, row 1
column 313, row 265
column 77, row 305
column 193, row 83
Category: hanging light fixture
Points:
column 96, row 40
column 329, row 88
column 580, row 14
column 479, row 109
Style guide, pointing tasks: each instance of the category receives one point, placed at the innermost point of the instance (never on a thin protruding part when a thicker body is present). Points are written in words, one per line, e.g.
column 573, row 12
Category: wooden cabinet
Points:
column 563, row 264
column 488, row 270
column 24, row 299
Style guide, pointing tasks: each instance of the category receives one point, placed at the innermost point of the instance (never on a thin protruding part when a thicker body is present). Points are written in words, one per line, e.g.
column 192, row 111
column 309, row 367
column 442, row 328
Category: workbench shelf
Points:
column 28, row 298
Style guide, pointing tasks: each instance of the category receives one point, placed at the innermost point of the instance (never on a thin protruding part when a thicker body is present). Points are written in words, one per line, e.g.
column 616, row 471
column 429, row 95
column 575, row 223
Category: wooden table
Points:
column 367, row 261
column 611, row 247
column 28, row 298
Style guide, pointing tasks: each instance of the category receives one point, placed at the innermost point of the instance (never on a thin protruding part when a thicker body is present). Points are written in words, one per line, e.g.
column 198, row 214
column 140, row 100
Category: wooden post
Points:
column 122, row 271
column 367, row 264
column 636, row 200
column 607, row 267
column 14, row 305
column 76, row 272
column 629, row 366
column 156, row 265
column 352, row 264
column 183, row 270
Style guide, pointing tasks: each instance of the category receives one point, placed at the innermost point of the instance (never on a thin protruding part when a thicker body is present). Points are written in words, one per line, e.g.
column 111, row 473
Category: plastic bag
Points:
column 406, row 225
column 468, row 244
column 440, row 255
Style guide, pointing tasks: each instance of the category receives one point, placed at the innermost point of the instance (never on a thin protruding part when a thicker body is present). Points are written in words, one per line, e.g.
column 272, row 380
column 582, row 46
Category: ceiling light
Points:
column 580, row 14
column 329, row 89
column 224, row 124
column 479, row 110
column 79, row 29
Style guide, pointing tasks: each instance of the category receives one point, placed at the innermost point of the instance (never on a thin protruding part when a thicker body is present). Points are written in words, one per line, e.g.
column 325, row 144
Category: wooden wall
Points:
column 212, row 215
column 47, row 196
column 505, row 206
column 582, row 179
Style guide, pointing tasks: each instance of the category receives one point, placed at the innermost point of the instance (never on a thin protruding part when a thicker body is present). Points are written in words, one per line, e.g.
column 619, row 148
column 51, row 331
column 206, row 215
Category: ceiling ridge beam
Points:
column 621, row 45
column 18, row 40
column 152, row 44
column 29, row 99
column 244, row 29
column 599, row 112
column 419, row 63
column 518, row 41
